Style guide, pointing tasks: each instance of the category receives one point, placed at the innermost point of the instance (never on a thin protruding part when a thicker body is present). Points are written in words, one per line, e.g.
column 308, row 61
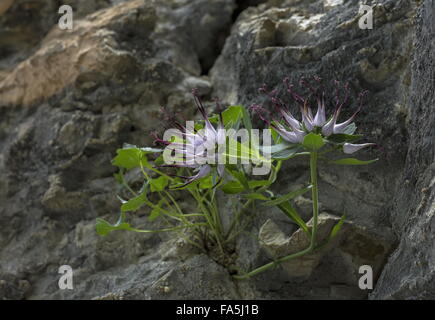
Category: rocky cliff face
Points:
column 409, row 273
column 69, row 99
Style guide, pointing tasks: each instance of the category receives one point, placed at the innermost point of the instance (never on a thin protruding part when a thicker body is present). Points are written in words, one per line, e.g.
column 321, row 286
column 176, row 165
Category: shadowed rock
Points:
column 356, row 245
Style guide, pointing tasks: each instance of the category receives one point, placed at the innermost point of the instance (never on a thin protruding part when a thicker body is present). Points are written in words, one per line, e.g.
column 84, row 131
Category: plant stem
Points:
column 312, row 246
column 215, row 207
column 209, row 215
column 315, row 196
column 272, row 178
column 236, row 218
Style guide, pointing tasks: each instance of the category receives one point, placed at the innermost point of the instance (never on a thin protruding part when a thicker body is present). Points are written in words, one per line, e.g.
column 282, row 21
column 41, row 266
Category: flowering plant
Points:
column 204, row 161
column 313, row 136
column 200, row 161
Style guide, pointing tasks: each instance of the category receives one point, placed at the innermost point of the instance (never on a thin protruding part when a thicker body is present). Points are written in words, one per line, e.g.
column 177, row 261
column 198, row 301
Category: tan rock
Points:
column 5, row 5
column 89, row 49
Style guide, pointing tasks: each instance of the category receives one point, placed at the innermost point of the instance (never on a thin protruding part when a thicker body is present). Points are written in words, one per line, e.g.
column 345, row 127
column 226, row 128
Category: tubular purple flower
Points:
column 340, row 127
column 295, row 136
column 350, row 148
column 320, row 122
column 307, row 117
column 320, row 118
column 198, row 146
column 290, row 136
column 202, row 172
column 328, row 128
column 290, row 120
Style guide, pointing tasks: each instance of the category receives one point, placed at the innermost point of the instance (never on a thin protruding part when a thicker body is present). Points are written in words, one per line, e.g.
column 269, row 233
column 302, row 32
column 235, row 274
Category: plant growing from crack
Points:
column 164, row 184
column 314, row 136
column 227, row 172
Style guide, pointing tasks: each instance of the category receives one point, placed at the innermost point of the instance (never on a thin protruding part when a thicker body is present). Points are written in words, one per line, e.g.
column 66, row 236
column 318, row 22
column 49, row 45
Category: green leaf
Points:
column 206, row 183
column 313, row 142
column 237, row 150
column 275, row 136
column 127, row 158
column 239, row 175
column 280, row 147
column 342, row 137
column 103, row 227
column 181, row 185
column 159, row 184
column 287, row 197
column 288, row 153
column 232, row 187
column 258, row 183
column 255, row 196
column 159, row 160
column 145, row 150
column 134, row 203
column 337, row 228
column 155, row 213
column 290, row 212
column 230, row 116
column 246, row 118
column 352, row 161
column 130, row 156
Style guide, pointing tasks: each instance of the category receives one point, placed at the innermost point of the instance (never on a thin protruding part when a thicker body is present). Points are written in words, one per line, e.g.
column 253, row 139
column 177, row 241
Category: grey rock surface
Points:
column 66, row 105
column 393, row 61
column 356, row 245
column 410, row 272
column 68, row 100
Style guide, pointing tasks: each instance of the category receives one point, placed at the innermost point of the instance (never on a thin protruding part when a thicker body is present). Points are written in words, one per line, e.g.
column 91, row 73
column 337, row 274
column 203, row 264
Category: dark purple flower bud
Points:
column 340, row 127
column 260, row 111
column 158, row 140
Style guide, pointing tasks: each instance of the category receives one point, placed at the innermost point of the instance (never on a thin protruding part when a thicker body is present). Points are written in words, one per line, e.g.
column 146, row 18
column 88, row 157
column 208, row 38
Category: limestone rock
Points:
column 69, row 99
column 410, row 271
column 357, row 246
column 197, row 278
column 303, row 38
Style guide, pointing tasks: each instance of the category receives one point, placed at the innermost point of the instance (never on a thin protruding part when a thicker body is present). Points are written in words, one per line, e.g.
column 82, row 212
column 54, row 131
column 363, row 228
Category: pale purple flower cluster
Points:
column 196, row 144
column 295, row 130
